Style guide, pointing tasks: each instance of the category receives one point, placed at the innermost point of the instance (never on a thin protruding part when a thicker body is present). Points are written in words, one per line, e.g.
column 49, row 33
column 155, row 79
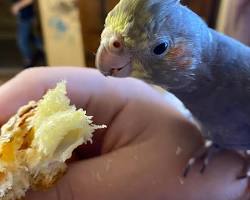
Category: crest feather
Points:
column 137, row 19
column 142, row 10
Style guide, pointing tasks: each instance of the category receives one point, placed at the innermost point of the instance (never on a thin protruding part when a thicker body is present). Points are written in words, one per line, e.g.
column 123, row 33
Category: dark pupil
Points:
column 161, row 48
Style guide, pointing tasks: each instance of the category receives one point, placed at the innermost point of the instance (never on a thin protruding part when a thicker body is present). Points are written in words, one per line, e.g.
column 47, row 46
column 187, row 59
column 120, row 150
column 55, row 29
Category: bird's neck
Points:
column 225, row 65
column 226, row 59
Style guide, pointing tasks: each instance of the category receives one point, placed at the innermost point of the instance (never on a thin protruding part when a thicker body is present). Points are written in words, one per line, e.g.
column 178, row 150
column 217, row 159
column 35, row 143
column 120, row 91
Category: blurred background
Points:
column 67, row 32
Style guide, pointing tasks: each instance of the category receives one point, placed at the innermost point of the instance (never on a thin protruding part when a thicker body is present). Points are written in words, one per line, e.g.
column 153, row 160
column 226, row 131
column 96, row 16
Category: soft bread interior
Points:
column 36, row 142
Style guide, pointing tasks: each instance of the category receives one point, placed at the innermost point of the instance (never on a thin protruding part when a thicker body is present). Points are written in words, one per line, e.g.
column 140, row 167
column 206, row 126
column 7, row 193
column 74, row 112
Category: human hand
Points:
column 15, row 8
column 135, row 157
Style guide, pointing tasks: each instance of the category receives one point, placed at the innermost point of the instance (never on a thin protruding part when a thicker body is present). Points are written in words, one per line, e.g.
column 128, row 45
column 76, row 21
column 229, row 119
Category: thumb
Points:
column 122, row 174
column 148, row 170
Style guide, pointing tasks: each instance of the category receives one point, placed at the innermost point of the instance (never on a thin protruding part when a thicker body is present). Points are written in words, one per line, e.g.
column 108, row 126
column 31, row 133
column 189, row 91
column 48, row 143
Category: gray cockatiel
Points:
column 209, row 72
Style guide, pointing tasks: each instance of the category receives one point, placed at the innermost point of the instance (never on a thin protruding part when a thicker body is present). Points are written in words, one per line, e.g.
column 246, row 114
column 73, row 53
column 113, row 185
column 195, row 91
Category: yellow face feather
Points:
column 117, row 23
column 129, row 19
column 121, row 15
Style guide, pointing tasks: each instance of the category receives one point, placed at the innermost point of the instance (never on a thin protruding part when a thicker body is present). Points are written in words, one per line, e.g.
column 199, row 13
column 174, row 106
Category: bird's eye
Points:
column 161, row 48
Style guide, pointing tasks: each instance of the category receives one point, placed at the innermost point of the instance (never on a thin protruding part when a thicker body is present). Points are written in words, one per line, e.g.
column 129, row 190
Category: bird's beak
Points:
column 113, row 64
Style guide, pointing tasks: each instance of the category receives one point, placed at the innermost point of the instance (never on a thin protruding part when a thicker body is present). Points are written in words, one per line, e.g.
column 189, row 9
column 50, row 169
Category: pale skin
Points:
column 135, row 157
column 16, row 7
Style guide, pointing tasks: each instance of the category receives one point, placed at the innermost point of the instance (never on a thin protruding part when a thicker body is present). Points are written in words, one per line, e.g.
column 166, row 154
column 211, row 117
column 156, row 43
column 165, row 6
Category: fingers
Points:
column 83, row 84
column 86, row 88
column 17, row 92
column 104, row 98
column 32, row 84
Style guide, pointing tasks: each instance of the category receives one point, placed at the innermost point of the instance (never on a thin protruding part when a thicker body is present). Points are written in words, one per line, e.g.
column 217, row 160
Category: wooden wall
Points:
column 92, row 15
column 62, row 32
column 207, row 9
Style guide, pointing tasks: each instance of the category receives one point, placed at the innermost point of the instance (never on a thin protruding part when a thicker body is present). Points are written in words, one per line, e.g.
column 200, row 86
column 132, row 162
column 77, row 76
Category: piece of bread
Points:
column 36, row 142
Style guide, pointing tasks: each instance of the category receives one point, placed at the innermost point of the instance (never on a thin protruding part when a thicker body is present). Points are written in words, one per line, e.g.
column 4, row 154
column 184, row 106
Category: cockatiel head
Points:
column 162, row 36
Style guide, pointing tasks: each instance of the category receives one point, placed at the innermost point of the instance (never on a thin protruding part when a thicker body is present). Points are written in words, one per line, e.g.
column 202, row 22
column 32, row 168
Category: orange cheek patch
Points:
column 176, row 52
column 185, row 63
column 180, row 56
